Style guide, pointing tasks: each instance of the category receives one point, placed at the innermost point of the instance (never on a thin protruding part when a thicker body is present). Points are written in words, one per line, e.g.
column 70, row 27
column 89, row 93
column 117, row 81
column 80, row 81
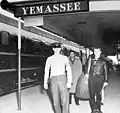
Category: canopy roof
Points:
column 89, row 28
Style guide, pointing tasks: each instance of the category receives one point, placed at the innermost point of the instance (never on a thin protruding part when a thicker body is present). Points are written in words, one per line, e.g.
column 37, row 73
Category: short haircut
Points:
column 95, row 47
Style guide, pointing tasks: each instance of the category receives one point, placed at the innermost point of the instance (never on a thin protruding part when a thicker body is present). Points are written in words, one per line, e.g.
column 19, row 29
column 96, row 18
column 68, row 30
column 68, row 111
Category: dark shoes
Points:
column 102, row 103
column 100, row 112
column 96, row 111
column 77, row 103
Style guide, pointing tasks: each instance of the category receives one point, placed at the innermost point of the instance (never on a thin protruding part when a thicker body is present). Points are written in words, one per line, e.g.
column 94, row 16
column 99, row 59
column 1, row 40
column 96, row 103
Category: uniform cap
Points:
column 56, row 45
column 72, row 51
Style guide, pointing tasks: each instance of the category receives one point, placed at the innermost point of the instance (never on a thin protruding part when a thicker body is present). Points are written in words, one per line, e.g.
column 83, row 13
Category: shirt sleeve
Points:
column 80, row 65
column 106, row 72
column 69, row 71
column 88, row 65
column 47, row 69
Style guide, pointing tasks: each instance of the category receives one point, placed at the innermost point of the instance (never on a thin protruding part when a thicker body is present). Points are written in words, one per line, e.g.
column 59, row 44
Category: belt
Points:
column 57, row 75
column 96, row 74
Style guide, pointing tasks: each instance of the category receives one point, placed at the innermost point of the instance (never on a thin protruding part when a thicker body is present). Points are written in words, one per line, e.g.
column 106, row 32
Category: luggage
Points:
column 82, row 91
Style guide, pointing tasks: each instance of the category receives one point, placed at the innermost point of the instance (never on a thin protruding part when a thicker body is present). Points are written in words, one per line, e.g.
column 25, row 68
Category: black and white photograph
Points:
column 59, row 56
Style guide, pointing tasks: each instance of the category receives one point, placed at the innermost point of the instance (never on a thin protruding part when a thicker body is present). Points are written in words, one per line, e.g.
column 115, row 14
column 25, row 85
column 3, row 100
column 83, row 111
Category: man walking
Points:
column 76, row 66
column 98, row 78
column 61, row 79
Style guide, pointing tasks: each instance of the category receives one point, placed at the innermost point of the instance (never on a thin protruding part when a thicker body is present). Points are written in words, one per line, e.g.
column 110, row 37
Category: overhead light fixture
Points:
column 81, row 22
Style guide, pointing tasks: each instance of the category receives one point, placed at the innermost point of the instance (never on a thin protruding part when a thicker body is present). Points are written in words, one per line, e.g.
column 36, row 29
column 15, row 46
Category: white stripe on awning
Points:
column 104, row 5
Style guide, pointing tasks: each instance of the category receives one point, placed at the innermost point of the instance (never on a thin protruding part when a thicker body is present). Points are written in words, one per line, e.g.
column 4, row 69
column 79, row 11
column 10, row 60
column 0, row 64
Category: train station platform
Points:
column 35, row 100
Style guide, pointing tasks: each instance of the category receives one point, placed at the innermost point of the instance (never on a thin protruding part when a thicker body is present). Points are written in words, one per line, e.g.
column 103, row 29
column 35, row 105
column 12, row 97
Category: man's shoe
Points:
column 96, row 111
column 77, row 103
column 70, row 102
column 100, row 111
column 102, row 103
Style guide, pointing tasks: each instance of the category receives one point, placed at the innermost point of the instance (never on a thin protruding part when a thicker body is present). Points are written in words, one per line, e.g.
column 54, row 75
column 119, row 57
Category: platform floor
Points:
column 36, row 101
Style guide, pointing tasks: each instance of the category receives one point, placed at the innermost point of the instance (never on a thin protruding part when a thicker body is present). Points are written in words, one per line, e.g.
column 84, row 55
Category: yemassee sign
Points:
column 51, row 8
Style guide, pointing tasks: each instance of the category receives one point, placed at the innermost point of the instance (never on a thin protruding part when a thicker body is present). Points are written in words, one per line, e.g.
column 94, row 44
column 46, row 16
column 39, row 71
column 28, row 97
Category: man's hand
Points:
column 105, row 84
column 46, row 86
column 87, row 75
column 68, row 85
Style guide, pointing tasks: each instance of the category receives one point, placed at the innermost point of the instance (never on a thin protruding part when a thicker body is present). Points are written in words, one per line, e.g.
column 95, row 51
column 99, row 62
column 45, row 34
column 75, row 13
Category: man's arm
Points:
column 88, row 67
column 105, row 75
column 69, row 73
column 80, row 65
column 46, row 75
column 105, row 72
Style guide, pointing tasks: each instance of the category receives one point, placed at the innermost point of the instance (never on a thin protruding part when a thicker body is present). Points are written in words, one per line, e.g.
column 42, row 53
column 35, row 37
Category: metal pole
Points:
column 86, row 52
column 19, row 63
column 89, row 52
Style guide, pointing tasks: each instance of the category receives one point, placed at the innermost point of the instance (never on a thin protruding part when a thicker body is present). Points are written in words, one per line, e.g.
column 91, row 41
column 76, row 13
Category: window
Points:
column 5, row 38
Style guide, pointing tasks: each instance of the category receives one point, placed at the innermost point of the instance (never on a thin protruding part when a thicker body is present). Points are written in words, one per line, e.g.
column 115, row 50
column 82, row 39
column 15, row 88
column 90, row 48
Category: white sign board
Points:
column 33, row 21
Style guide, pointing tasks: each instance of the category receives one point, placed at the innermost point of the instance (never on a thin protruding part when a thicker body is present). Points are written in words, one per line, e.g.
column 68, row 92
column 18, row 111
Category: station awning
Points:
column 93, row 25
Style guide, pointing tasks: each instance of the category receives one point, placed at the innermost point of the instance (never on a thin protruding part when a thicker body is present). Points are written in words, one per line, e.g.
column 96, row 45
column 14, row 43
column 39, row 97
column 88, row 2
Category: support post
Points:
column 19, row 63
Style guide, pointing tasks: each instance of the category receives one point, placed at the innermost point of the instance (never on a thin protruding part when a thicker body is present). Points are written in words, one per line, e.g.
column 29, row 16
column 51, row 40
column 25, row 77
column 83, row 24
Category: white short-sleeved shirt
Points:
column 57, row 64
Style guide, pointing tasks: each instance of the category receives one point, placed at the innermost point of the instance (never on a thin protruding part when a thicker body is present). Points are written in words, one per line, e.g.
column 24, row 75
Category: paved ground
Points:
column 33, row 101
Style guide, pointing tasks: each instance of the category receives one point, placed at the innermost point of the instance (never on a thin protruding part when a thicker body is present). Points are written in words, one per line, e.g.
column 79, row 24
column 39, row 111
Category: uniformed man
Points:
column 61, row 79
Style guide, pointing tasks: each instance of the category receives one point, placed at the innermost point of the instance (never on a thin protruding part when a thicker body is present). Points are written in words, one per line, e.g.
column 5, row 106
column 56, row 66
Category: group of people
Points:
column 64, row 72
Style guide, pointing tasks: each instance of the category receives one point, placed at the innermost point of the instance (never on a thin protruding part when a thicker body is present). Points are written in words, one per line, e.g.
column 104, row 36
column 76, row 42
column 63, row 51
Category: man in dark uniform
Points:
column 97, row 79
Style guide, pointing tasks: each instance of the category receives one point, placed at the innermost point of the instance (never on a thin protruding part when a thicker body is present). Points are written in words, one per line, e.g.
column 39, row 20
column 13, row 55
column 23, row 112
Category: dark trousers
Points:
column 95, row 84
column 75, row 98
column 60, row 94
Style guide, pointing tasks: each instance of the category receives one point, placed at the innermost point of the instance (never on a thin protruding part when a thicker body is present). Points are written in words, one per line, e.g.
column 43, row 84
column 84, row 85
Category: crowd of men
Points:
column 63, row 72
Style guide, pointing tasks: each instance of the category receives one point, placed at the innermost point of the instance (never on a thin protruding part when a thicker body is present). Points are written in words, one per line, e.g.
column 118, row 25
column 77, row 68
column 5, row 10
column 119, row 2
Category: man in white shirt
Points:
column 61, row 79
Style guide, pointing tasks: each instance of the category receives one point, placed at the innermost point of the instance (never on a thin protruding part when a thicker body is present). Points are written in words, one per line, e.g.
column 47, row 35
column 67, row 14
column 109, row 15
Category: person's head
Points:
column 56, row 47
column 97, row 52
column 72, row 54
